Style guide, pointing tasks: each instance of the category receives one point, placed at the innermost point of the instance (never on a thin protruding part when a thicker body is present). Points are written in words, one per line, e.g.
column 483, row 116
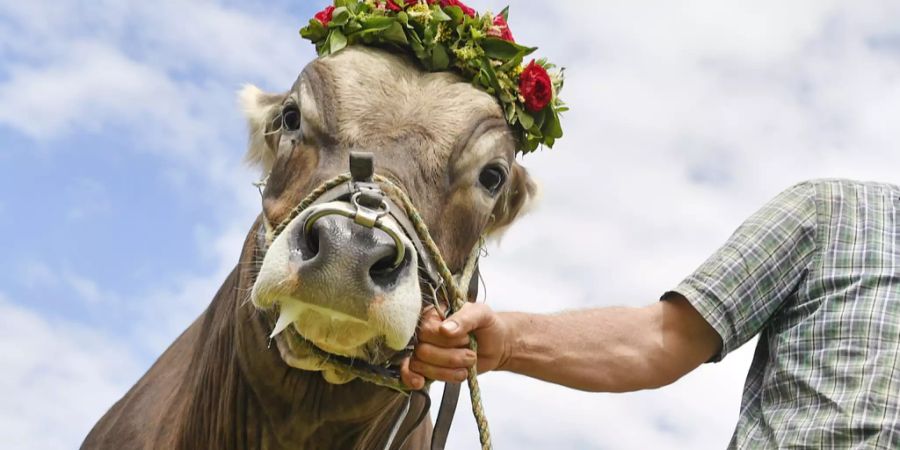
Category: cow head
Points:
column 444, row 142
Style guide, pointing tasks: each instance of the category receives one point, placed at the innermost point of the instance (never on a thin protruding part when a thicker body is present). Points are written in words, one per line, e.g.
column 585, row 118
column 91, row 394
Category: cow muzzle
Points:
column 376, row 252
column 342, row 275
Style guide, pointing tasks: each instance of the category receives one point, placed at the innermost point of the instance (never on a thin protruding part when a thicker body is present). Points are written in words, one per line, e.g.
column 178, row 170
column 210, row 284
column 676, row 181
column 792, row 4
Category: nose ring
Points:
column 362, row 214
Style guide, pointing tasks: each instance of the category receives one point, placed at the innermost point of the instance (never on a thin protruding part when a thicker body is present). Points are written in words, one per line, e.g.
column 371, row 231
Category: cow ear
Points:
column 520, row 196
column 262, row 111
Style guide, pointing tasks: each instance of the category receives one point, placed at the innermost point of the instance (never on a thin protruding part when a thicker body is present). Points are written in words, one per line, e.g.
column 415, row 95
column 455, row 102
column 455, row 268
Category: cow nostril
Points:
column 334, row 244
column 383, row 266
column 386, row 271
column 307, row 243
column 312, row 242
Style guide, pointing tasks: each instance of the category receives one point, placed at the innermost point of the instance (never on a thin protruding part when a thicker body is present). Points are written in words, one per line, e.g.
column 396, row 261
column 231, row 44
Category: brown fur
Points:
column 220, row 385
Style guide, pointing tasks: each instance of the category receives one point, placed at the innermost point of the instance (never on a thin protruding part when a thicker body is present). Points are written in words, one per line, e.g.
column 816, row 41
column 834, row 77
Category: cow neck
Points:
column 238, row 393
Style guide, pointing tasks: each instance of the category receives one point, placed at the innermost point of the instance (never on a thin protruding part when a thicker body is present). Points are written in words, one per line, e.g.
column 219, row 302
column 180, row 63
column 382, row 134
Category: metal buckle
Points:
column 370, row 207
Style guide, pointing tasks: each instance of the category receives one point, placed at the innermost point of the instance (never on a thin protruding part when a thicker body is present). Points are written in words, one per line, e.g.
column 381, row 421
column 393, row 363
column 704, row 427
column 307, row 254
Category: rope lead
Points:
column 457, row 296
column 458, row 299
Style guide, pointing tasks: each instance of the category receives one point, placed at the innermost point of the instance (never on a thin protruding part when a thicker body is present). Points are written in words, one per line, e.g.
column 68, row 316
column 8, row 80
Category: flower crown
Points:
column 448, row 35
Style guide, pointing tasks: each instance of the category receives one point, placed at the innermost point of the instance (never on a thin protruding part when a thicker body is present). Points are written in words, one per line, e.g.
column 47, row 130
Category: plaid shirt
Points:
column 815, row 272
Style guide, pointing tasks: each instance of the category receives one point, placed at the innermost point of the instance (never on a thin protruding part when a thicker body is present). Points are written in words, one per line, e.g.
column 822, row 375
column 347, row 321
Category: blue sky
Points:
column 124, row 199
column 120, row 163
column 119, row 199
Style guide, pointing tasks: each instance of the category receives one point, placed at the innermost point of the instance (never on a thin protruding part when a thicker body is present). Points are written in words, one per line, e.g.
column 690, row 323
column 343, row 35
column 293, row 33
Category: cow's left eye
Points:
column 492, row 178
column 290, row 118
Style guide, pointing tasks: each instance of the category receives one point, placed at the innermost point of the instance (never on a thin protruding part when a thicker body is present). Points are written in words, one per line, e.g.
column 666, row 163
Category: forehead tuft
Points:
column 379, row 97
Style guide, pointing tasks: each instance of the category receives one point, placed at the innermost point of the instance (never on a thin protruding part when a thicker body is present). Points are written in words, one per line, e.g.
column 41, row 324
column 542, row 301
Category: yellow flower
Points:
column 420, row 12
column 466, row 53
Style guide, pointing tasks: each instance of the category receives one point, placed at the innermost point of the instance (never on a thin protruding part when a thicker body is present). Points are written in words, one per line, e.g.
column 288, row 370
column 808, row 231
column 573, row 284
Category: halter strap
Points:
column 437, row 270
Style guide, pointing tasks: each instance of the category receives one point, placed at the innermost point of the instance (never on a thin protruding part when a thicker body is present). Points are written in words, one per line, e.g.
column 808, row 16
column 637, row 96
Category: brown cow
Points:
column 221, row 385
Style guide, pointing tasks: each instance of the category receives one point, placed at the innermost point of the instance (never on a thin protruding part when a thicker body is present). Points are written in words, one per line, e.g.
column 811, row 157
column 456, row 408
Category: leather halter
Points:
column 367, row 205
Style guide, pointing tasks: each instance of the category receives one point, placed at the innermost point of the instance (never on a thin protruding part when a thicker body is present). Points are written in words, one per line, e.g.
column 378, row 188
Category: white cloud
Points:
column 164, row 314
column 166, row 73
column 225, row 40
column 57, row 379
column 94, row 85
column 698, row 412
column 39, row 276
column 87, row 289
column 685, row 118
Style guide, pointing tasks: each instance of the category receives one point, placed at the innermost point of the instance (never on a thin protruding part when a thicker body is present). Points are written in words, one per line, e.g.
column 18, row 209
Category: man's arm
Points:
column 604, row 349
column 732, row 296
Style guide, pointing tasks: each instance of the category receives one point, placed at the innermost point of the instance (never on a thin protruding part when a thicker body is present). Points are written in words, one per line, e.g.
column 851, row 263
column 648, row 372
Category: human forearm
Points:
column 605, row 349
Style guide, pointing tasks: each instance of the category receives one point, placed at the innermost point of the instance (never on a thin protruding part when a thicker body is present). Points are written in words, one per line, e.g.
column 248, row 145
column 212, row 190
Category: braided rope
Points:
column 308, row 200
column 457, row 297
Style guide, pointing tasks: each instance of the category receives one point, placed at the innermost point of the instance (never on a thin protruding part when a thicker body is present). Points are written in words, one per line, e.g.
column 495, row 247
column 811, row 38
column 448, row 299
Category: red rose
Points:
column 324, row 16
column 501, row 29
column 535, row 87
column 445, row 3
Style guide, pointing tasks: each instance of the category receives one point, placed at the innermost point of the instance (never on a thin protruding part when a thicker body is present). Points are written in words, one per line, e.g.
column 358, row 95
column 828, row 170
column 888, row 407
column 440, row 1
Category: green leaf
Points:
column 497, row 48
column 488, row 71
column 439, row 15
column 510, row 112
column 524, row 118
column 377, row 23
column 395, row 34
column 416, row 45
column 321, row 48
column 455, row 13
column 352, row 27
column 512, row 63
column 440, row 60
column 315, row 32
column 336, row 41
column 539, row 118
column 340, row 17
column 429, row 33
column 530, row 144
column 553, row 128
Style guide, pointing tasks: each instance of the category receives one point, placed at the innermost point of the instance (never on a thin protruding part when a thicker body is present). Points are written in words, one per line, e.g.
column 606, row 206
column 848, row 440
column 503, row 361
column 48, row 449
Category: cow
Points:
column 228, row 381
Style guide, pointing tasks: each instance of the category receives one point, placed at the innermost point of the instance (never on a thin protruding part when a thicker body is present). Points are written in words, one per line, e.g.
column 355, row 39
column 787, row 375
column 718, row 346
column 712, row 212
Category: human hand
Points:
column 443, row 351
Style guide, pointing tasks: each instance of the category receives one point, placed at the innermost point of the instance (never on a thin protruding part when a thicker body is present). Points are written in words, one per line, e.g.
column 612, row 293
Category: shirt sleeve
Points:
column 740, row 287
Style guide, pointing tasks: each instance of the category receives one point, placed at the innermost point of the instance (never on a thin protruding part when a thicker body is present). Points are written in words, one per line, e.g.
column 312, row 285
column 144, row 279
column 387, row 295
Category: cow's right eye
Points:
column 290, row 118
column 492, row 178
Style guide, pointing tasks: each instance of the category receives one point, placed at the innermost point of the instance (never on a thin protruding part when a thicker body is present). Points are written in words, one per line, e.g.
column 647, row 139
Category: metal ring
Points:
column 398, row 242
column 346, row 210
column 382, row 210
